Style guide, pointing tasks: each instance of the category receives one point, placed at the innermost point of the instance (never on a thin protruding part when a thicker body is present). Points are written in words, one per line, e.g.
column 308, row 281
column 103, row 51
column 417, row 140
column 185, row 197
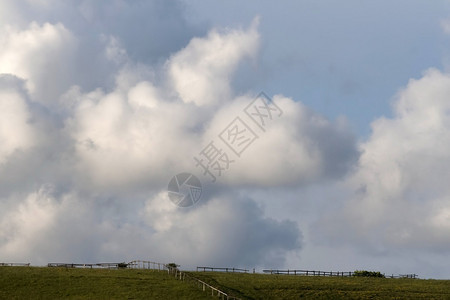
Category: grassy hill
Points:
column 260, row 286
column 57, row 283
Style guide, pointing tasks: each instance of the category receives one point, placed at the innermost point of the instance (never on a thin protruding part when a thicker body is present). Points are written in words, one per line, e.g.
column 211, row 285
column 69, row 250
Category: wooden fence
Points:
column 135, row 264
column 309, row 273
column 14, row 264
column 180, row 275
column 145, row 264
column 89, row 266
column 331, row 273
column 412, row 276
column 233, row 270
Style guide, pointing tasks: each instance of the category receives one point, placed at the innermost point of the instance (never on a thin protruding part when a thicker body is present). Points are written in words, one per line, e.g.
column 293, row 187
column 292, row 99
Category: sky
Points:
column 341, row 163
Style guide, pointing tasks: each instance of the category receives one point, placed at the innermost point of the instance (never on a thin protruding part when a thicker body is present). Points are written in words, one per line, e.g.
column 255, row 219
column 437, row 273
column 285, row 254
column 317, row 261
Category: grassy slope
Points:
column 57, row 283
column 258, row 286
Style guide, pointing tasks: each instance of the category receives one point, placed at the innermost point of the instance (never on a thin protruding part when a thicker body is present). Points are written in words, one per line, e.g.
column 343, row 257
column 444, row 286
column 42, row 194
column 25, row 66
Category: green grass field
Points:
column 259, row 286
column 57, row 283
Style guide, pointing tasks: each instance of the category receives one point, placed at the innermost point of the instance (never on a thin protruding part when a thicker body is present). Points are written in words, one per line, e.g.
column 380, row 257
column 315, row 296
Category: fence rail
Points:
column 145, row 264
column 14, row 264
column 180, row 275
column 233, row 270
column 331, row 273
column 89, row 266
column 412, row 276
column 135, row 264
column 309, row 273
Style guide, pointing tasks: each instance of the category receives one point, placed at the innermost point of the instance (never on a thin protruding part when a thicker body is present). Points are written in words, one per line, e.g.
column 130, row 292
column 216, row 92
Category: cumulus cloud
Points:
column 41, row 55
column 401, row 193
column 16, row 132
column 22, row 228
column 91, row 132
column 226, row 231
column 235, row 227
column 201, row 72
column 127, row 136
column 296, row 148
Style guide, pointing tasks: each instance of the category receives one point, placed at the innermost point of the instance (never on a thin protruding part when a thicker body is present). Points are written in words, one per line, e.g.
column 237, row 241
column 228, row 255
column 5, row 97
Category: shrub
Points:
column 122, row 265
column 364, row 273
column 172, row 266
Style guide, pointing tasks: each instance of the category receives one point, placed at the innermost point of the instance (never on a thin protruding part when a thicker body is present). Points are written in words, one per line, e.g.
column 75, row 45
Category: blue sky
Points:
column 340, row 58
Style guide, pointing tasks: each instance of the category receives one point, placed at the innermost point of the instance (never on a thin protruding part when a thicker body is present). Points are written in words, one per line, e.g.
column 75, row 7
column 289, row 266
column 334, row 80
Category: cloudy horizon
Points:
column 102, row 103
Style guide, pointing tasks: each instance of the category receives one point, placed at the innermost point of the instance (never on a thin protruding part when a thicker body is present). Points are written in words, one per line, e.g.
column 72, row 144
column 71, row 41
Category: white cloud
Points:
column 23, row 226
column 225, row 230
column 42, row 55
column 133, row 135
column 16, row 132
column 107, row 128
column 296, row 148
column 401, row 194
column 201, row 72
